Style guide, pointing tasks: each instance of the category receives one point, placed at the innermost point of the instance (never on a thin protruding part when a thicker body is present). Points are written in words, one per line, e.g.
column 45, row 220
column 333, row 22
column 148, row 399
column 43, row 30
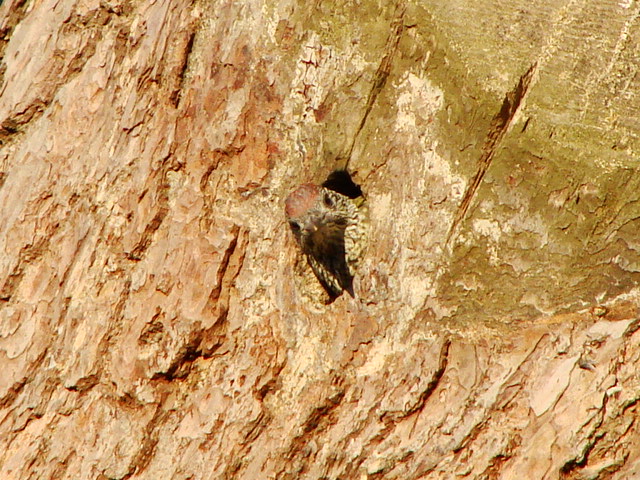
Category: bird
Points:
column 330, row 229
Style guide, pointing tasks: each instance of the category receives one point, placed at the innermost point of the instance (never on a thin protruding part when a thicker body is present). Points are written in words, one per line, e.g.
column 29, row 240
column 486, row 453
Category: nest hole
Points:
column 340, row 181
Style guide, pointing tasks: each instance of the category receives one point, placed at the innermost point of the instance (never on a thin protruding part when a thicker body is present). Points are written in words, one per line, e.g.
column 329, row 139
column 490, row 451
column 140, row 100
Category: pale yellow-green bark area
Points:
column 152, row 321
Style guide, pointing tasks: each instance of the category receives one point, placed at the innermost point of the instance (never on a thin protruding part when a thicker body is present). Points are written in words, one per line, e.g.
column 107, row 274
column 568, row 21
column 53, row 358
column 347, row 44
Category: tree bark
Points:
column 155, row 320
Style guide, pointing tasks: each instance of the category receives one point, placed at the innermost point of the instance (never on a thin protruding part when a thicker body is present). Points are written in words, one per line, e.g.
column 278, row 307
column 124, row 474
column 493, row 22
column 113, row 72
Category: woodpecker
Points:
column 330, row 229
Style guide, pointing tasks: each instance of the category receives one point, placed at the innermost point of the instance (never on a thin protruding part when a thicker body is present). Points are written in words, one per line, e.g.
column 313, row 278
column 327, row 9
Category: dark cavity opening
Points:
column 340, row 181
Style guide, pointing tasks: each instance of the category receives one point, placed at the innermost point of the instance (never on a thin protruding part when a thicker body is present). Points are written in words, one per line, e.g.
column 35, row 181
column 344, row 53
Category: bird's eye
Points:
column 295, row 226
column 328, row 201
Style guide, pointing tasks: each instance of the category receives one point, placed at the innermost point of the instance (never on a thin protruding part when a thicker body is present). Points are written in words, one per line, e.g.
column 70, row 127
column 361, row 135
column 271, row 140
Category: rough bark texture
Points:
column 152, row 321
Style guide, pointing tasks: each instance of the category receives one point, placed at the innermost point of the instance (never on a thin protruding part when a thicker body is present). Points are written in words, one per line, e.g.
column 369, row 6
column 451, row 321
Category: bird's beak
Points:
column 310, row 227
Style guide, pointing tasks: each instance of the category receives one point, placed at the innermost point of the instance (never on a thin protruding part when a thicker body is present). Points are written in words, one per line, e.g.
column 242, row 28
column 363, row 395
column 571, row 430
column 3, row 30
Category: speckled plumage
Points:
column 330, row 228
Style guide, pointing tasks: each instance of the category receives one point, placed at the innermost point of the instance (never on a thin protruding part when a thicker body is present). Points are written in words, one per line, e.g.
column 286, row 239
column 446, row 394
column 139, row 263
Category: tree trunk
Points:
column 157, row 319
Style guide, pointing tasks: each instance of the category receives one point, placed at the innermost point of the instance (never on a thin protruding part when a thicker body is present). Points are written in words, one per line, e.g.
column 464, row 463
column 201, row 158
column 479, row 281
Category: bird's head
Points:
column 313, row 214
